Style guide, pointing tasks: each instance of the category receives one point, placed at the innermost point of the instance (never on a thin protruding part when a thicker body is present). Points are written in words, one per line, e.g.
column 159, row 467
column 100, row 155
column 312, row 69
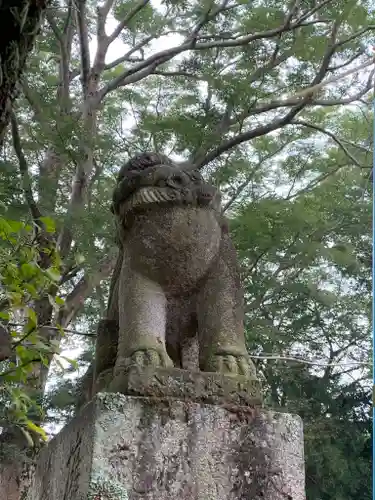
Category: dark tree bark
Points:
column 20, row 21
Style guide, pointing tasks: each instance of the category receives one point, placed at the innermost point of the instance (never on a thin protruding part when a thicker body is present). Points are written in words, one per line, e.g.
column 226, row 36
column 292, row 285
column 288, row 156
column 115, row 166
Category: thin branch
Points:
column 318, row 86
column 133, row 12
column 210, row 14
column 68, row 18
column 315, row 9
column 304, row 123
column 173, row 74
column 70, row 274
column 17, row 368
column 126, row 57
column 308, row 362
column 33, row 103
column 57, row 329
column 26, row 180
column 358, row 54
column 246, row 182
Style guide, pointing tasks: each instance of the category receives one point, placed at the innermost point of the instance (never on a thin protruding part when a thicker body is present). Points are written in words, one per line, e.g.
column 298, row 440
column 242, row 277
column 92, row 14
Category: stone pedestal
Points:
column 128, row 447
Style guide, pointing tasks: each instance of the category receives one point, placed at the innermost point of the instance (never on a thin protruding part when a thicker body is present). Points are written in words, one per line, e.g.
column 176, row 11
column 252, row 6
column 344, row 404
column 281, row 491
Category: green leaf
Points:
column 53, row 274
column 73, row 362
column 33, row 320
column 49, row 224
column 28, row 270
column 79, row 258
column 35, row 428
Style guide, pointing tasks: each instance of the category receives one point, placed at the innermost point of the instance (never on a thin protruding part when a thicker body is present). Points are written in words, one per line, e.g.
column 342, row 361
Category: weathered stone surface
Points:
column 130, row 448
column 176, row 299
column 202, row 387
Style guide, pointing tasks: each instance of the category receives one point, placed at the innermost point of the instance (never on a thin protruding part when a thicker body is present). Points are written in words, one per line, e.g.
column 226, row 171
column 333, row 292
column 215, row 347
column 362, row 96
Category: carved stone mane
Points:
column 155, row 179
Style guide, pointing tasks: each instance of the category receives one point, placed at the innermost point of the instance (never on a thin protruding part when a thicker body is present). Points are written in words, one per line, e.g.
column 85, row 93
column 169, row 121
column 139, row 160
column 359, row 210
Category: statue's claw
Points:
column 155, row 357
column 140, row 358
column 231, row 364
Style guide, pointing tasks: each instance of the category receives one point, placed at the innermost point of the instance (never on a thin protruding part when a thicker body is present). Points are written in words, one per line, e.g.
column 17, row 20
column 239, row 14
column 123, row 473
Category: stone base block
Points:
column 200, row 387
column 129, row 448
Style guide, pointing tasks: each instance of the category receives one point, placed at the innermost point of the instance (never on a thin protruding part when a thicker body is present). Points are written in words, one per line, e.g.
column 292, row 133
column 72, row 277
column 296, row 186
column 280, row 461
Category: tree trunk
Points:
column 16, row 465
column 19, row 26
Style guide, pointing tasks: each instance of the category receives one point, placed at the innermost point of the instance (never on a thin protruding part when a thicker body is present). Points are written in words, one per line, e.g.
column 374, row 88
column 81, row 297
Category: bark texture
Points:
column 19, row 25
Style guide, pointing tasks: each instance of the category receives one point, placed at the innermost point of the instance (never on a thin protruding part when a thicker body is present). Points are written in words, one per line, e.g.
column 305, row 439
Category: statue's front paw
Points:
column 145, row 357
column 231, row 364
column 139, row 358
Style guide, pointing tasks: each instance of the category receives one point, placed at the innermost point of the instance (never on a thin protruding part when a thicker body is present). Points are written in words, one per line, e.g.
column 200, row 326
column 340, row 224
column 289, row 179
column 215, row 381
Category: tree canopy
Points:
column 273, row 103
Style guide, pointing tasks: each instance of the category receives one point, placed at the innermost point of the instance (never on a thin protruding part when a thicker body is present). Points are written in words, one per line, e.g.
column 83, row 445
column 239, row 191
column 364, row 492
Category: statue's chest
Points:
column 174, row 244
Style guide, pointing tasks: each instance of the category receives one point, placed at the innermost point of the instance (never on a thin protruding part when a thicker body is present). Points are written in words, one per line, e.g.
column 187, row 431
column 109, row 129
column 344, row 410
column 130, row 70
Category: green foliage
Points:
column 22, row 282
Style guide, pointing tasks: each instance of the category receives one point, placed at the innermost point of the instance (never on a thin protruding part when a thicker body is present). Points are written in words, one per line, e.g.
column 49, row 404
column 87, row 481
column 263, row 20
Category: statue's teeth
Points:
column 151, row 196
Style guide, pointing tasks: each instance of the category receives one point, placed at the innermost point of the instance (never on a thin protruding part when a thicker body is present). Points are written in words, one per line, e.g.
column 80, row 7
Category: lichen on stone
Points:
column 111, row 401
column 103, row 488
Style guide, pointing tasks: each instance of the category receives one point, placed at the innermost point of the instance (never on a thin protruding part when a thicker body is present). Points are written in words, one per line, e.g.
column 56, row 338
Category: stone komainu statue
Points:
column 176, row 283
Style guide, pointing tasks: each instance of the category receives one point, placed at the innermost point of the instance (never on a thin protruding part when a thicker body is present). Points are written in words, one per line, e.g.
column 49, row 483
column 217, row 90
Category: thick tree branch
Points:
column 64, row 40
column 81, row 17
column 299, row 100
column 295, row 99
column 149, row 65
column 102, row 14
column 189, row 44
column 142, row 69
column 75, row 300
column 278, row 123
column 226, row 122
column 246, row 136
